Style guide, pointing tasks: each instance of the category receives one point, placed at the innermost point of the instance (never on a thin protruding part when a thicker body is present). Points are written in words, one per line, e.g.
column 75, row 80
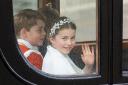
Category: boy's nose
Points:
column 43, row 33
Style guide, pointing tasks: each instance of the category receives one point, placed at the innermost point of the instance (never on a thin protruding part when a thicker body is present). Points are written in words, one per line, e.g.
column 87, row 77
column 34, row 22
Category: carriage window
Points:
column 125, row 38
column 81, row 58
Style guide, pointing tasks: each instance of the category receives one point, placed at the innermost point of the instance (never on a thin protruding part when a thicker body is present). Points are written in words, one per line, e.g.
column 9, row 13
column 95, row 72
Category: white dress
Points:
column 59, row 64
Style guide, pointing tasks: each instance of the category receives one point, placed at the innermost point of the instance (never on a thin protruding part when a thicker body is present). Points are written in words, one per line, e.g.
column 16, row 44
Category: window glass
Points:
column 23, row 4
column 84, row 14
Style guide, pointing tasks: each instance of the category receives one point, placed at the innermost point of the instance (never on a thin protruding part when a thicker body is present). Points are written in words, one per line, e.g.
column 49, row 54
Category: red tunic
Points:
column 33, row 56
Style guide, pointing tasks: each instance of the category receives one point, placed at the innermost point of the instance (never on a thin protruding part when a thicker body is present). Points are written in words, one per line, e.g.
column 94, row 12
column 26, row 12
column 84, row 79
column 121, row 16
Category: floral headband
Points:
column 57, row 26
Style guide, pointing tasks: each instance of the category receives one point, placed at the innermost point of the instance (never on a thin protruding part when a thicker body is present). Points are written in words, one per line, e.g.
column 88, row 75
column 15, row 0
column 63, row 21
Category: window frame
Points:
column 117, row 42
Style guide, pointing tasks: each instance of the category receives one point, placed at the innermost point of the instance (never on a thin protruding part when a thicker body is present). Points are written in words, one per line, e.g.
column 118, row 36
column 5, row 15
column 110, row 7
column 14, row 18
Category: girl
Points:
column 62, row 40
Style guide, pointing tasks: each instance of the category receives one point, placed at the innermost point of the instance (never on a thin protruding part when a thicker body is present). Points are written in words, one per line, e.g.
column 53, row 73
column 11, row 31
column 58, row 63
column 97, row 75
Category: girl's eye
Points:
column 73, row 38
column 64, row 38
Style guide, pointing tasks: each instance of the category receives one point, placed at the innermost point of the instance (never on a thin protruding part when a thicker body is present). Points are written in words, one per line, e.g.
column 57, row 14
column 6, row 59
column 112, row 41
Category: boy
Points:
column 29, row 26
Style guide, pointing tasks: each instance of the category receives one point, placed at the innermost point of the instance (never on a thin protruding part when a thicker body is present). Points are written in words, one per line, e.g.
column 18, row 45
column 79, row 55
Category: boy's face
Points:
column 64, row 41
column 36, row 34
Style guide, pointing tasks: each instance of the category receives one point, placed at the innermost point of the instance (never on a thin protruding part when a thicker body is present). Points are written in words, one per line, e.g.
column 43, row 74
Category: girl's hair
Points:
column 59, row 24
column 50, row 14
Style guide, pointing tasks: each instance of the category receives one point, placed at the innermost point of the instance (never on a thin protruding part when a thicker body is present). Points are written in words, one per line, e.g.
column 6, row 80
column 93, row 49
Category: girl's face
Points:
column 36, row 34
column 64, row 41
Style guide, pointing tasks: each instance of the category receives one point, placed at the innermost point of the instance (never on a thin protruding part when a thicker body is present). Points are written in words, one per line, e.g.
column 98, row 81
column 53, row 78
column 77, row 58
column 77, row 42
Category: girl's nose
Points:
column 69, row 42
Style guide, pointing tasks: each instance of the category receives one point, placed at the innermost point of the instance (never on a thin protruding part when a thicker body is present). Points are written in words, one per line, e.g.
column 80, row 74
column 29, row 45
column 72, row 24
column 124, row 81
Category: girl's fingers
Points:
column 83, row 58
column 83, row 49
column 87, row 48
column 92, row 50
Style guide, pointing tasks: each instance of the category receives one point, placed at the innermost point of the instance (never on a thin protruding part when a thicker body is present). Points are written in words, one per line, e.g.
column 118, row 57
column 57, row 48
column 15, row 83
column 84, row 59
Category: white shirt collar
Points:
column 27, row 44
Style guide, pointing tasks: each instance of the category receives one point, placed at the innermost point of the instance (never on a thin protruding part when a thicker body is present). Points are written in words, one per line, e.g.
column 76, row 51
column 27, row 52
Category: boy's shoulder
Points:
column 23, row 48
column 27, row 51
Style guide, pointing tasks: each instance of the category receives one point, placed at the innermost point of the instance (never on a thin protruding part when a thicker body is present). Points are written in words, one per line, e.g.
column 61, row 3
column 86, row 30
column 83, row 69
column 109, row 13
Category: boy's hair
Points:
column 26, row 19
column 59, row 24
column 50, row 15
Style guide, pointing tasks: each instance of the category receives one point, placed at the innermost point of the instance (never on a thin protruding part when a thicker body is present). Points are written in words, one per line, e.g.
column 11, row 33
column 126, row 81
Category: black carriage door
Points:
column 120, row 44
column 94, row 26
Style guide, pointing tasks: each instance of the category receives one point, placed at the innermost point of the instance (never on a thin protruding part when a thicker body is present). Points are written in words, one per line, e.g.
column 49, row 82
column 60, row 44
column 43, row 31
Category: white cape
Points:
column 59, row 64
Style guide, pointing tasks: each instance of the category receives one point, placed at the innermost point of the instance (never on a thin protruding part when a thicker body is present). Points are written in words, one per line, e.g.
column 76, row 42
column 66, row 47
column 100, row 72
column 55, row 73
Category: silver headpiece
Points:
column 57, row 26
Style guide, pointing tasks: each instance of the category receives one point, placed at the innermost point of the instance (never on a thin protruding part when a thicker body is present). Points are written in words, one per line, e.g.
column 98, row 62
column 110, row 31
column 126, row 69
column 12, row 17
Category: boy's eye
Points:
column 38, row 31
